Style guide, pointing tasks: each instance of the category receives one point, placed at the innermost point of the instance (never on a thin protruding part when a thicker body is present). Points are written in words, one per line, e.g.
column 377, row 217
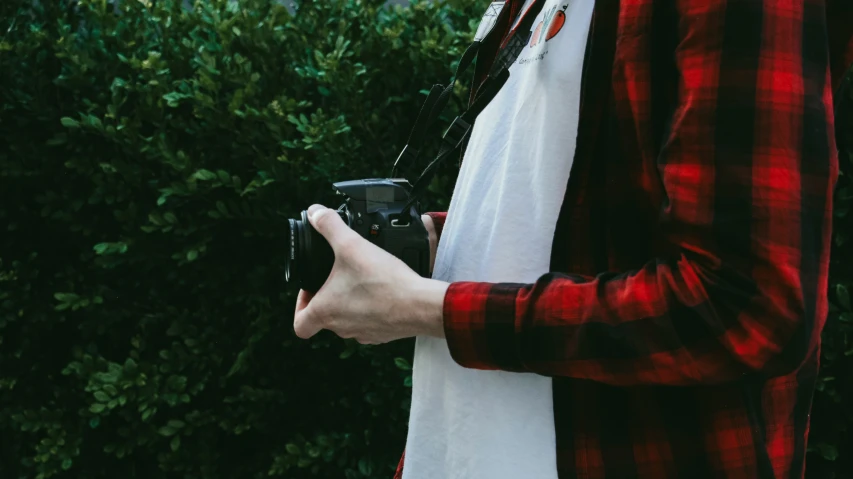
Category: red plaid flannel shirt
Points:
column 681, row 318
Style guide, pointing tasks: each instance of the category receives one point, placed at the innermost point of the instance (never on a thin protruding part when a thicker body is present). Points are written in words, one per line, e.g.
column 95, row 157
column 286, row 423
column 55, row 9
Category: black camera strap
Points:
column 460, row 129
column 439, row 95
column 437, row 99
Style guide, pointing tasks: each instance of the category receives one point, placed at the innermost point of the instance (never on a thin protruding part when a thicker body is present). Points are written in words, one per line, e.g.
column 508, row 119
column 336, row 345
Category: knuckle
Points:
column 300, row 331
column 305, row 324
column 321, row 218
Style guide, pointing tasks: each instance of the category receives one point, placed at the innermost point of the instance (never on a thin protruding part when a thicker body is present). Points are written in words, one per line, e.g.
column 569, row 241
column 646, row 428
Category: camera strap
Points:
column 460, row 129
column 438, row 97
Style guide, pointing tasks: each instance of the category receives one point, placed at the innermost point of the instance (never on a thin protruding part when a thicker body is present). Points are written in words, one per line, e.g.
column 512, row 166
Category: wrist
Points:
column 429, row 307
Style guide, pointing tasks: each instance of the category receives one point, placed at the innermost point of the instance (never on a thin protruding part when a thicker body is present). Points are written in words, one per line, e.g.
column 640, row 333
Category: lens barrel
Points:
column 310, row 257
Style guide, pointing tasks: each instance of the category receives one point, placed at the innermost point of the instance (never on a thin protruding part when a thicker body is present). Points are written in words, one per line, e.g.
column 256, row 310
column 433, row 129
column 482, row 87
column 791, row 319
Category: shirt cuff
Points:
column 480, row 325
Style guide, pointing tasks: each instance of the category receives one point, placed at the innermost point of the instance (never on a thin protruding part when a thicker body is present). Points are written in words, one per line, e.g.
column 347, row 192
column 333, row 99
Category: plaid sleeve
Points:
column 748, row 168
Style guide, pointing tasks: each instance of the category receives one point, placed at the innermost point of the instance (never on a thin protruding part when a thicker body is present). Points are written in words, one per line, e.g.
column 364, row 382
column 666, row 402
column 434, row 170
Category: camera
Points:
column 374, row 208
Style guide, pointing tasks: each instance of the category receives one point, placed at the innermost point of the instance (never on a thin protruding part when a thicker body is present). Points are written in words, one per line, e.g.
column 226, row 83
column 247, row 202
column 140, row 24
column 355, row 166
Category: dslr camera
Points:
column 374, row 209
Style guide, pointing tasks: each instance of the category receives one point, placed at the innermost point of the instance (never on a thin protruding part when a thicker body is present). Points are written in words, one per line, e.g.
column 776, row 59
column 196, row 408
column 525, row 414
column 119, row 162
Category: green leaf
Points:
column 66, row 464
column 167, row 431
column 365, row 467
column 101, row 396
column 192, row 255
column 173, row 99
column 176, row 423
column 293, row 449
column 843, row 296
column 402, row 364
column 94, row 122
column 130, row 365
column 828, row 451
column 176, row 443
column 97, row 408
column 69, row 122
column 205, row 175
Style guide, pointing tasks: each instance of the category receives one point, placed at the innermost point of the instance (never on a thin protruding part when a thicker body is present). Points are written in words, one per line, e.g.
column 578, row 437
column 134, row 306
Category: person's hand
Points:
column 433, row 239
column 370, row 295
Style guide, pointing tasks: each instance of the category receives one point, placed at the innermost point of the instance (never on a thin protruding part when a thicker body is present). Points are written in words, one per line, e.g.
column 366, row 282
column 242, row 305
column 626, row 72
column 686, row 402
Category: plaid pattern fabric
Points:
column 681, row 318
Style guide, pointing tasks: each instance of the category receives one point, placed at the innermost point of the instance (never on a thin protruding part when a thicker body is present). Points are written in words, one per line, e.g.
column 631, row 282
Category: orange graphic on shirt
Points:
column 550, row 25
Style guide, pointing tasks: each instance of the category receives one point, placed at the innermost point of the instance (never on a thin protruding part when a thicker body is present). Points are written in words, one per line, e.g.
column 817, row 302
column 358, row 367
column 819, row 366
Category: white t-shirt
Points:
column 472, row 424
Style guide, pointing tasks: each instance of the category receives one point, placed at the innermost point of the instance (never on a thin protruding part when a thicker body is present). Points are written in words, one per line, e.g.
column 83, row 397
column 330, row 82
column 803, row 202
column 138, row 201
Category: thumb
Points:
column 327, row 222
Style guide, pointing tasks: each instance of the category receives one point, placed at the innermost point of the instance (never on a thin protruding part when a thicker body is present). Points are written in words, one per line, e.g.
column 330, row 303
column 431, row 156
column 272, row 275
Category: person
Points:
column 631, row 278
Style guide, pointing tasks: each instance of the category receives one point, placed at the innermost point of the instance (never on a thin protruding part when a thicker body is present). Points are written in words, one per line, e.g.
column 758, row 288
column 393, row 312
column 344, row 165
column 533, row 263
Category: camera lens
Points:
column 309, row 257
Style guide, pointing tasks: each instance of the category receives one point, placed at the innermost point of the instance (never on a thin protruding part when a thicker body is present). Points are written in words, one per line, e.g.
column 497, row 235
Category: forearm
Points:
column 671, row 323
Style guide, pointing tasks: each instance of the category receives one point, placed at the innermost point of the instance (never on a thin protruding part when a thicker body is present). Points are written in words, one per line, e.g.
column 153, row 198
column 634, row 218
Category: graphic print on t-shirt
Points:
column 550, row 26
column 552, row 22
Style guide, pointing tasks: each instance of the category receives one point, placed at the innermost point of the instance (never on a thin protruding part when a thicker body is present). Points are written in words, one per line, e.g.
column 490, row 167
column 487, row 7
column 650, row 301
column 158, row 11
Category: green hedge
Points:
column 150, row 154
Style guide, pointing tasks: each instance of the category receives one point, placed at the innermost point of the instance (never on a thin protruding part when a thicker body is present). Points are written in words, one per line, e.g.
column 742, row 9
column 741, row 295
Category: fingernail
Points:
column 315, row 208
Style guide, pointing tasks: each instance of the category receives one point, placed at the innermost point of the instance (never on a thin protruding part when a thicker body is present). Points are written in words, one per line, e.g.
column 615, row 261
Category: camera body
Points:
column 373, row 208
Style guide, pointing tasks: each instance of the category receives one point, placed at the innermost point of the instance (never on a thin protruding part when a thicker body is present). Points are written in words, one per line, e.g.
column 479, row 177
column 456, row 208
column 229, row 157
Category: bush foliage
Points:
column 152, row 151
